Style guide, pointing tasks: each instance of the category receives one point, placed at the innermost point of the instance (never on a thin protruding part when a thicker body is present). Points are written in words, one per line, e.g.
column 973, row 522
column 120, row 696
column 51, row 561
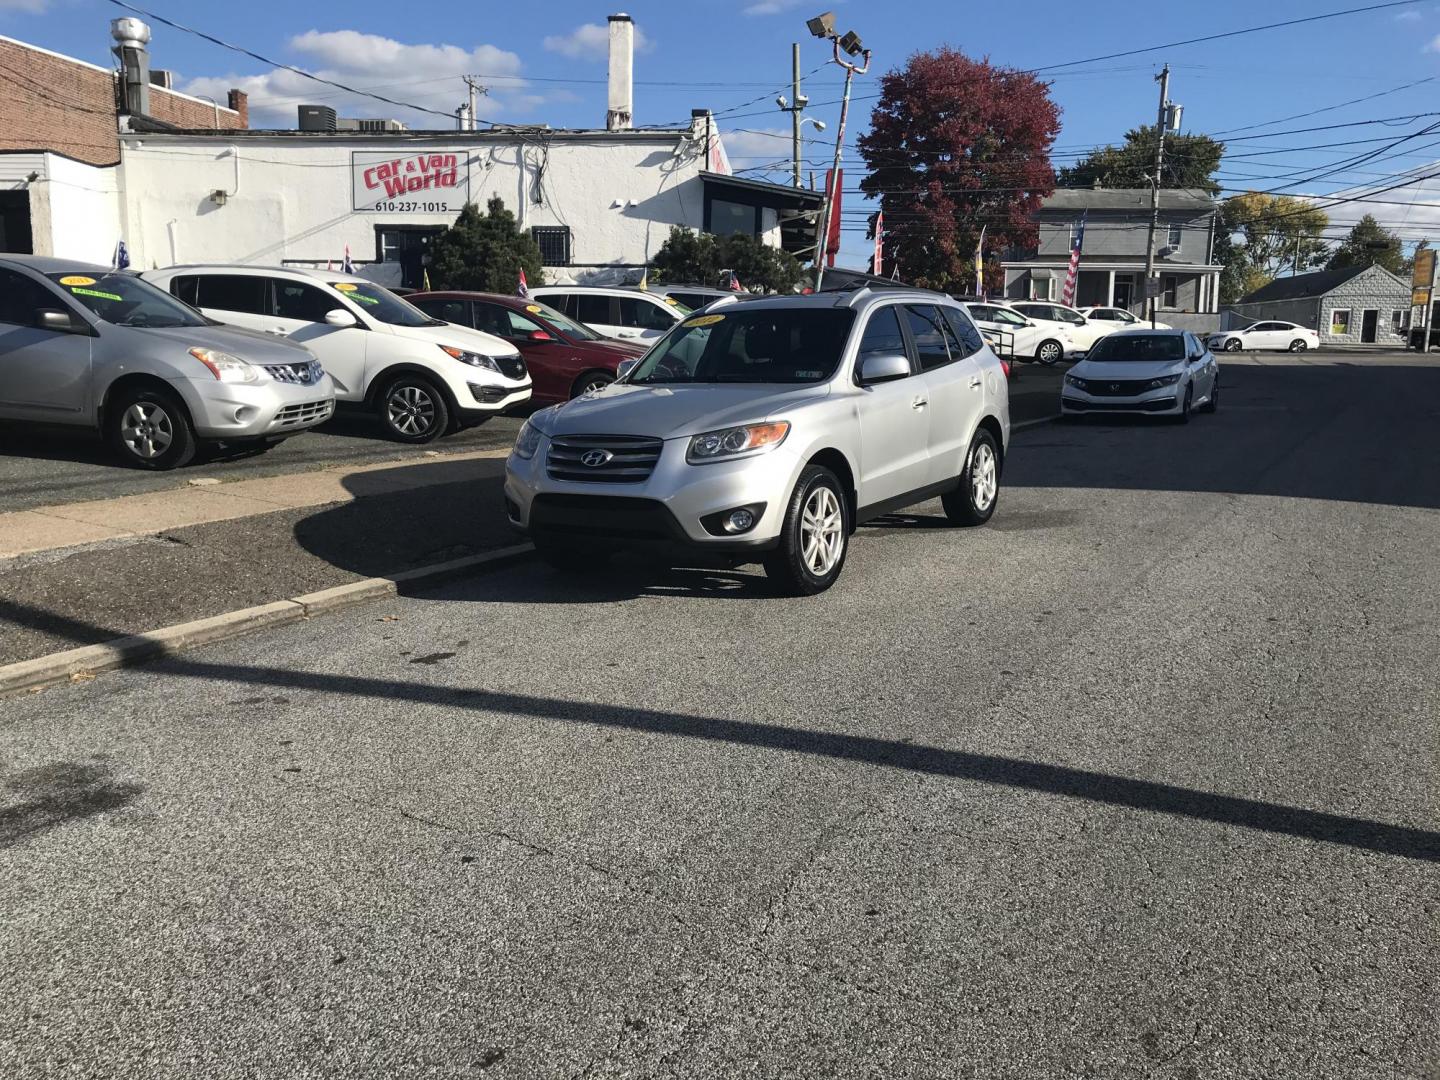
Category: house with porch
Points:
column 1112, row 260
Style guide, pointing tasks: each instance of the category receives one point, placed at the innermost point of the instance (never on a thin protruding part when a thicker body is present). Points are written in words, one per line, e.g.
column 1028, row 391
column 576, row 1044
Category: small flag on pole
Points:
column 349, row 265
column 522, row 289
column 1073, row 274
column 644, row 283
column 122, row 256
column 425, row 279
column 980, row 264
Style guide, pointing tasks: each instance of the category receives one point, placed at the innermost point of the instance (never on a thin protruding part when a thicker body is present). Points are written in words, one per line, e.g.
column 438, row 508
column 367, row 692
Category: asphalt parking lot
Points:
column 1138, row 781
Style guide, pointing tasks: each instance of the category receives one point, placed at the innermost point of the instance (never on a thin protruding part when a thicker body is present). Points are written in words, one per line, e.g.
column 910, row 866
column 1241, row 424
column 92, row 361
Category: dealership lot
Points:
column 1136, row 781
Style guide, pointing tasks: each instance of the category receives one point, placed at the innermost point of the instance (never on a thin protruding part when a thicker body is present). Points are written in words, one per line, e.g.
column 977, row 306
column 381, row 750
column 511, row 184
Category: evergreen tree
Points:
column 1191, row 161
column 699, row 258
column 1369, row 244
column 485, row 252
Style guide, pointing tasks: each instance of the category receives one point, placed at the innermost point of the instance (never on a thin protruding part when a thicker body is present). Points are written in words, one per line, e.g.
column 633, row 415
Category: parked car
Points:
column 420, row 376
column 565, row 358
column 1154, row 372
column 692, row 297
column 767, row 429
column 90, row 347
column 1083, row 332
column 1019, row 336
column 1266, row 335
column 623, row 314
column 1123, row 318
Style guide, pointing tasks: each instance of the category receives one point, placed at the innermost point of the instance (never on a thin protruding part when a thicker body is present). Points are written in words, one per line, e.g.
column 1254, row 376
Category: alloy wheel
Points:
column 147, row 430
column 1233, row 345
column 984, row 477
column 1049, row 353
column 822, row 531
column 411, row 409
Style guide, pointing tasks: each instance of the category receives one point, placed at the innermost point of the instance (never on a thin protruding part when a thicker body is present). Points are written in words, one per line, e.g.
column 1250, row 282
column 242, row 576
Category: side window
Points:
column 593, row 309
column 984, row 314
column 928, row 330
column 492, row 318
column 519, row 326
column 967, row 339
column 1074, row 318
column 643, row 314
column 882, row 336
column 452, row 311
column 295, row 300
column 233, row 292
column 186, row 288
column 21, row 298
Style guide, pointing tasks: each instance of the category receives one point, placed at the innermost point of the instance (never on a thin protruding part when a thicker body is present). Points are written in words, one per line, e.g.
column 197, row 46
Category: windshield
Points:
column 1004, row 315
column 768, row 345
column 381, row 304
column 1144, row 348
column 126, row 300
column 571, row 328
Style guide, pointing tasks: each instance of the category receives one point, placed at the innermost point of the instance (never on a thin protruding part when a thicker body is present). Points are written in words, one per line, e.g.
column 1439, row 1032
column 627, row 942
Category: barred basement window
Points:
column 554, row 241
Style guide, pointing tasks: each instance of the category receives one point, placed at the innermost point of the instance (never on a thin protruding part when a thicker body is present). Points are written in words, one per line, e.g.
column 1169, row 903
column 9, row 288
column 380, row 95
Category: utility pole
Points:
column 795, row 105
column 1160, row 122
column 473, row 85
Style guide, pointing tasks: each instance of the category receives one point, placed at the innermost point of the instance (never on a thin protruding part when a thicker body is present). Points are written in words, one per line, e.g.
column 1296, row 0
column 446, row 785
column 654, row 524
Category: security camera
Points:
column 802, row 100
column 851, row 43
column 822, row 25
column 782, row 102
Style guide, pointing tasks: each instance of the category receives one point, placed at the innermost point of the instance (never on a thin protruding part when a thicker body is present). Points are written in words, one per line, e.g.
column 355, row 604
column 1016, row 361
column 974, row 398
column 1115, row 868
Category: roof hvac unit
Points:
column 381, row 125
column 317, row 118
column 162, row 78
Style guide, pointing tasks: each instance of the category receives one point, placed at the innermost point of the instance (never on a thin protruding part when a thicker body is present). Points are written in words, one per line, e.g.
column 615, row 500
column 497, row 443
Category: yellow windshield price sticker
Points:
column 96, row 292
column 534, row 309
column 346, row 286
column 77, row 279
column 672, row 301
column 705, row 320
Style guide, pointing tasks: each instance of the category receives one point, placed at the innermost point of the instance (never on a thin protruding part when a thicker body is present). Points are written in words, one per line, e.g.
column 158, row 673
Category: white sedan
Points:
column 1123, row 319
column 1266, row 335
column 1149, row 372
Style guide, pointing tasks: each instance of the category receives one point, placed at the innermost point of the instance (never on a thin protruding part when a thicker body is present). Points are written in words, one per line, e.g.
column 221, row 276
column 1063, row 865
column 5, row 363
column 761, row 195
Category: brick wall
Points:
column 50, row 102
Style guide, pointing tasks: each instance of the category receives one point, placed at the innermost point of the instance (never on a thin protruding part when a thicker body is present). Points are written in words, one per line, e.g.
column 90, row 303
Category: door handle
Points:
column 919, row 403
column 278, row 331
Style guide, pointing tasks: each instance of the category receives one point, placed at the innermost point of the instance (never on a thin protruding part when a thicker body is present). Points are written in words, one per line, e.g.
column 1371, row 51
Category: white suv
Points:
column 421, row 376
column 623, row 314
column 766, row 429
column 1083, row 332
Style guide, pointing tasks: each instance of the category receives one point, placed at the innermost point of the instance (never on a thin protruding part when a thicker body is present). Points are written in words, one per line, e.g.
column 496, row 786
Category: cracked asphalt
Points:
column 1139, row 781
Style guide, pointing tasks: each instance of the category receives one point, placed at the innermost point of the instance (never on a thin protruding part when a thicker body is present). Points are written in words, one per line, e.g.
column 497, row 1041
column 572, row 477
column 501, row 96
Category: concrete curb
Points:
column 137, row 648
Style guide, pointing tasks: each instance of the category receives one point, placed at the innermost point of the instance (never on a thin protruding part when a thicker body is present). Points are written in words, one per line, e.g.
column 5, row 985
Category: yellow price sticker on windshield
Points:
column 672, row 301
column 77, row 279
column 346, row 286
column 705, row 320
column 534, row 309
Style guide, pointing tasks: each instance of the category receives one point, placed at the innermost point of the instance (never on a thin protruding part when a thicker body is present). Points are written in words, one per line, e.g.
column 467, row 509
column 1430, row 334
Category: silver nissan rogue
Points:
column 765, row 430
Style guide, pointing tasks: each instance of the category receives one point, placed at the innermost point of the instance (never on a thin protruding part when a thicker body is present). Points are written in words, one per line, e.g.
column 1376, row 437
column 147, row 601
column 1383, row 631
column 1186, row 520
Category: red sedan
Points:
column 565, row 358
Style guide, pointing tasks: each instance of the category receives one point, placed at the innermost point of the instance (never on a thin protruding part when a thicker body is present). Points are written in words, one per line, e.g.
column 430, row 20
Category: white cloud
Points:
column 25, row 7
column 769, row 144
column 771, row 7
column 426, row 75
column 1409, row 16
column 590, row 41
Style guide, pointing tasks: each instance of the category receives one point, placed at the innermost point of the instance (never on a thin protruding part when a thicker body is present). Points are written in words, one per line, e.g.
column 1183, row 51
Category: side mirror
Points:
column 341, row 318
column 539, row 335
column 62, row 322
column 625, row 367
column 883, row 367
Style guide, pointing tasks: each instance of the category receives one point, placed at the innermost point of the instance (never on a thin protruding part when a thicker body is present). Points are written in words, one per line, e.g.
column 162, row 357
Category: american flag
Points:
column 522, row 287
column 1073, row 275
column 349, row 264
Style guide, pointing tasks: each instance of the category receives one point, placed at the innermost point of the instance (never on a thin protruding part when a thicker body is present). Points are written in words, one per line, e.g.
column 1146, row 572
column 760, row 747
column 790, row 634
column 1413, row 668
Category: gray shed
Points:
column 1355, row 305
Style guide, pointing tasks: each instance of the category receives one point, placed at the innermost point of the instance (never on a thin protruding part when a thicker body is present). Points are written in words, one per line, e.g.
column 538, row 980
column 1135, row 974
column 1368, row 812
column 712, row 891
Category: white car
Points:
column 1266, row 335
column 1122, row 318
column 1083, row 332
column 1151, row 372
column 1012, row 334
column 421, row 376
column 623, row 314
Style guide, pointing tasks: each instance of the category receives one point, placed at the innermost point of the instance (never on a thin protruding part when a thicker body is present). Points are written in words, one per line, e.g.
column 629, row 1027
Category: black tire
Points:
column 149, row 428
column 1232, row 345
column 1214, row 403
column 1298, row 345
column 567, row 556
column 591, row 380
column 412, row 409
column 969, row 505
column 1049, row 352
column 788, row 567
column 1184, row 416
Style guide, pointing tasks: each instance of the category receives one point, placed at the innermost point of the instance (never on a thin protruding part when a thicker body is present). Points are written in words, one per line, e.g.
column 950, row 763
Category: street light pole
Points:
column 833, row 194
column 795, row 108
column 1160, row 122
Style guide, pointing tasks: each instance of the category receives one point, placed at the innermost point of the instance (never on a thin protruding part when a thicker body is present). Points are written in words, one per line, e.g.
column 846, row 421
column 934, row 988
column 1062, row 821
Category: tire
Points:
column 1214, row 403
column 148, row 428
column 814, row 538
column 1050, row 352
column 1232, row 345
column 1298, row 345
column 973, row 502
column 412, row 409
column 567, row 556
column 1184, row 416
column 591, row 380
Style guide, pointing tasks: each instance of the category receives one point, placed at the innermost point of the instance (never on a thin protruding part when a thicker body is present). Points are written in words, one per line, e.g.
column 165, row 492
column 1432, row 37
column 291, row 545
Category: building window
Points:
column 554, row 242
column 1398, row 319
column 1170, row 296
column 1042, row 288
column 728, row 218
column 1173, row 240
column 1340, row 322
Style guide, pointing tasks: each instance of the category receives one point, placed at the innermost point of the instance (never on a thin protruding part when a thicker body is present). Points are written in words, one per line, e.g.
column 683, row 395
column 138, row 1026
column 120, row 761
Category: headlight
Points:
column 527, row 442
column 1079, row 384
column 225, row 367
column 733, row 442
column 474, row 359
column 1164, row 380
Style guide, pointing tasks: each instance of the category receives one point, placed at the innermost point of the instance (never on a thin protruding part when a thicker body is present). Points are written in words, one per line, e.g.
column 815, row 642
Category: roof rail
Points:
column 849, row 298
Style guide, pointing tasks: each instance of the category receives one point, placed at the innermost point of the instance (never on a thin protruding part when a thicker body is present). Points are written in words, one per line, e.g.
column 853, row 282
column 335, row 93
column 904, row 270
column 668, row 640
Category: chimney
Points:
column 622, row 67
column 240, row 102
column 131, row 38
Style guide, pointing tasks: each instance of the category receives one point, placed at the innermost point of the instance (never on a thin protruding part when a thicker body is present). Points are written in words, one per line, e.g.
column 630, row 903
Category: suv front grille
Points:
column 306, row 374
column 512, row 367
column 308, row 413
column 602, row 459
column 1117, row 387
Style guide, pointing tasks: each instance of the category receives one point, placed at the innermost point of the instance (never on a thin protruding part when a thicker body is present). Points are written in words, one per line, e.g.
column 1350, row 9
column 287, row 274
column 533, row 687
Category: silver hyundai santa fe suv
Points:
column 765, row 430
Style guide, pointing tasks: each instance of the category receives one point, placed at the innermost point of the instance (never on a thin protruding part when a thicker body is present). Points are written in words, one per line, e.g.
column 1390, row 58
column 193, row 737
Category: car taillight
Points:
column 1005, row 367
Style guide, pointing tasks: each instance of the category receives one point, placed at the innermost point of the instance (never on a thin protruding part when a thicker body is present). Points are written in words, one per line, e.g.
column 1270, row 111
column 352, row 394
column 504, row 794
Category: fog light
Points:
column 739, row 521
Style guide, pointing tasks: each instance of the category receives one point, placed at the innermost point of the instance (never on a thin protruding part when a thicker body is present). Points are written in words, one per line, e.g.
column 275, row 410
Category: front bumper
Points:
column 1153, row 402
column 670, row 508
column 233, row 411
column 483, row 400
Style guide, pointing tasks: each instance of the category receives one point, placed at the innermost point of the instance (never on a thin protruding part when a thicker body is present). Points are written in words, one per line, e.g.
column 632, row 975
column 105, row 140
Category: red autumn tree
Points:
column 956, row 144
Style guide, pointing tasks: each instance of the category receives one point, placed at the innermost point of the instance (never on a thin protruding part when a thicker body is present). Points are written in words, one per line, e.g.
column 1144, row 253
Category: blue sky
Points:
column 545, row 63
